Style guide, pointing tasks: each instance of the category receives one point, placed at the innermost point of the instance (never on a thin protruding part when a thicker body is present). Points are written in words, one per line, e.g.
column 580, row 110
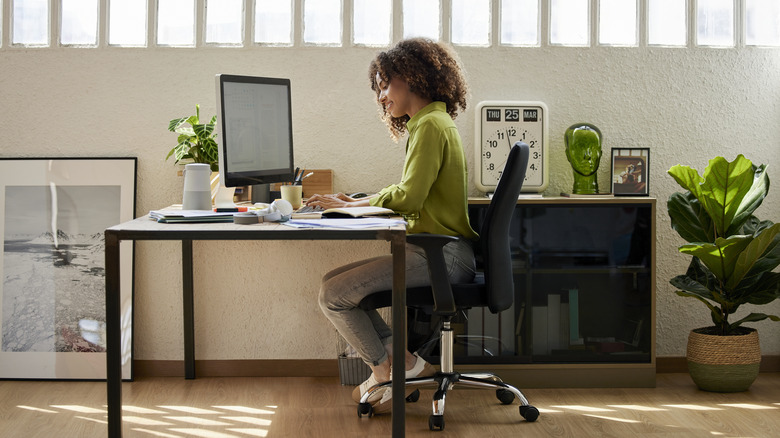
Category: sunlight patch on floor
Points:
column 694, row 407
column 746, row 406
column 140, row 410
column 638, row 408
column 94, row 420
column 81, row 409
column 583, row 408
column 156, row 433
column 251, row 432
column 163, row 422
column 190, row 410
column 620, row 420
column 198, row 421
column 203, row 433
column 249, row 420
column 31, row 408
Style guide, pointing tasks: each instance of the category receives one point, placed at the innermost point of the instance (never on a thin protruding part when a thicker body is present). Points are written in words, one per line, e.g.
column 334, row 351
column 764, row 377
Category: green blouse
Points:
column 433, row 193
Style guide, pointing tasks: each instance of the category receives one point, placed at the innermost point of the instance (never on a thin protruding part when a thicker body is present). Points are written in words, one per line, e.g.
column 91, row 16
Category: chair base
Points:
column 444, row 382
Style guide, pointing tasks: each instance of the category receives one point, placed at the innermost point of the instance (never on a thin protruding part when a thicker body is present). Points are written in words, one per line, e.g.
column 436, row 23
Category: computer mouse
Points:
column 358, row 195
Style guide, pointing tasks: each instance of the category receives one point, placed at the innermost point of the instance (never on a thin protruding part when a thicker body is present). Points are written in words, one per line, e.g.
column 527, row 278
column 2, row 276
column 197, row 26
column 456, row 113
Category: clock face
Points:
column 499, row 125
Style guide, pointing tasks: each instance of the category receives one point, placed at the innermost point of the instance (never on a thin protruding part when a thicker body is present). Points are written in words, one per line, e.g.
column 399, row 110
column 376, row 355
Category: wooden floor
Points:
column 244, row 407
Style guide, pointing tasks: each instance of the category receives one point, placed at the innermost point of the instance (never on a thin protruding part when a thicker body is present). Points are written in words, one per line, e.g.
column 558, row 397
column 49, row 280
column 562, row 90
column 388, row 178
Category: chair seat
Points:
column 467, row 295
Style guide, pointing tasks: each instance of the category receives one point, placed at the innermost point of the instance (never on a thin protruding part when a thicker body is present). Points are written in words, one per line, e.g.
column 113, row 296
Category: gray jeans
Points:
column 343, row 288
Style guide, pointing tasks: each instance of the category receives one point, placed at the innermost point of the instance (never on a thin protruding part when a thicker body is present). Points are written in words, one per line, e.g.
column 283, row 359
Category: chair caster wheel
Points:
column 365, row 409
column 505, row 396
column 436, row 422
column 529, row 412
column 414, row 396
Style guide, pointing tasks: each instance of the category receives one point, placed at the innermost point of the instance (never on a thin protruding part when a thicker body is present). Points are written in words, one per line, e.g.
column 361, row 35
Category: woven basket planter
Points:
column 723, row 363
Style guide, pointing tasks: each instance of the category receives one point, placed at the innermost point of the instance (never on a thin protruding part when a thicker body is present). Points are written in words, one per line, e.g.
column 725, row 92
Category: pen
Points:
column 299, row 178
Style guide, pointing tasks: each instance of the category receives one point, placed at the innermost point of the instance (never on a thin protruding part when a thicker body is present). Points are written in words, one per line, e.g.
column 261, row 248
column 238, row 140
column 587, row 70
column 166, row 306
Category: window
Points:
column 176, row 22
column 569, row 22
column 470, row 22
column 376, row 23
column 273, row 22
column 520, row 22
column 762, row 23
column 225, row 22
column 79, row 22
column 372, row 23
column 667, row 22
column 30, row 22
column 715, row 23
column 422, row 19
column 127, row 23
column 618, row 22
column 322, row 22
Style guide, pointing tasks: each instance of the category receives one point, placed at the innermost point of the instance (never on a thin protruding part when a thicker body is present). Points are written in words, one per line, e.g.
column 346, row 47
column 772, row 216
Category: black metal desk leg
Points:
column 113, row 337
column 189, row 309
column 399, row 334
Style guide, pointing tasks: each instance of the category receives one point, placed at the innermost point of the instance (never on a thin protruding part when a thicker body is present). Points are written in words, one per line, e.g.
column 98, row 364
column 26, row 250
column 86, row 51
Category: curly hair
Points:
column 432, row 71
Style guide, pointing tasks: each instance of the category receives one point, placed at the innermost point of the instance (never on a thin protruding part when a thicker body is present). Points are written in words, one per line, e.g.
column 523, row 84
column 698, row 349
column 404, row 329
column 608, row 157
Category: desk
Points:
column 145, row 229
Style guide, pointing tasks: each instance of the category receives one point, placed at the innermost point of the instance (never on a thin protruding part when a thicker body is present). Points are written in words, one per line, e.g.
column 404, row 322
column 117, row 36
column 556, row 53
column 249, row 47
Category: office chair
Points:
column 493, row 288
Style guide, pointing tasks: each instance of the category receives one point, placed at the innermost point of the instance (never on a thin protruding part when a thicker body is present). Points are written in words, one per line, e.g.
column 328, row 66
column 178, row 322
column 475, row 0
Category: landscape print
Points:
column 53, row 284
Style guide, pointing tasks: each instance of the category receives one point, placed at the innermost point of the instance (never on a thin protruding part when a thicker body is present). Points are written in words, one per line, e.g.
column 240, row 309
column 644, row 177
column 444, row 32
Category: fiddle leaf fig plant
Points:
column 196, row 141
column 734, row 253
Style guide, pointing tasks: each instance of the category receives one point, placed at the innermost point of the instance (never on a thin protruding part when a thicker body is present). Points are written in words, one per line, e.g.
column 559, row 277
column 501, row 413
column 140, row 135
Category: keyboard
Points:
column 309, row 209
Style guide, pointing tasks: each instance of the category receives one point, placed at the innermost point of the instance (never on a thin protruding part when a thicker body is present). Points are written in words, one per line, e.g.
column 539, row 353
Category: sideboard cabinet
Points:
column 584, row 310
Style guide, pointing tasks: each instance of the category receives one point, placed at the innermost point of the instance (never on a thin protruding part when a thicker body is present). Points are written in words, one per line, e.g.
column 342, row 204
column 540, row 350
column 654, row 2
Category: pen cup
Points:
column 293, row 195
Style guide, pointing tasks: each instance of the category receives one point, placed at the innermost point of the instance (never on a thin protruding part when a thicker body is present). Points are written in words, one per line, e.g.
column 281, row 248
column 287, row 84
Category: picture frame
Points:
column 53, row 216
column 629, row 173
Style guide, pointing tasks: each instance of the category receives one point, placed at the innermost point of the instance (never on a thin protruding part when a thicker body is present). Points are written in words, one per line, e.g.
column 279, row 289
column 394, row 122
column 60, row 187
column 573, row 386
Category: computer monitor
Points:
column 254, row 130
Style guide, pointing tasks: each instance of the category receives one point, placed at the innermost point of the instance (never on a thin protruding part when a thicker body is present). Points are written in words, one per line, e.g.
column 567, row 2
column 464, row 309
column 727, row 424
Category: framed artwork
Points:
column 53, row 214
column 629, row 174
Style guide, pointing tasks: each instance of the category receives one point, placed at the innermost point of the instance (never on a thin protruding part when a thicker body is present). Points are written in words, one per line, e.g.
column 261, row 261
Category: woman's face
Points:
column 394, row 96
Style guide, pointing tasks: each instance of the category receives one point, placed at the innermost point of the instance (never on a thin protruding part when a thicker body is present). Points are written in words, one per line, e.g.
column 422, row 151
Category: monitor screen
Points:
column 254, row 130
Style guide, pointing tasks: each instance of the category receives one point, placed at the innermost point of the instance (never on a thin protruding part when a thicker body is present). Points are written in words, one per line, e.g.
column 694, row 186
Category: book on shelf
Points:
column 588, row 195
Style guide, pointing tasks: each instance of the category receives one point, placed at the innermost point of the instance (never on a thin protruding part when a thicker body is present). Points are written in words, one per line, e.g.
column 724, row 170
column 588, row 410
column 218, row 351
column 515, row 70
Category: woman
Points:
column 420, row 89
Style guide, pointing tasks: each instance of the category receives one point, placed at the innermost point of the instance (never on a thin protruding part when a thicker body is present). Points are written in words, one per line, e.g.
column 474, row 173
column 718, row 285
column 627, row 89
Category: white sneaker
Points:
column 421, row 368
column 365, row 387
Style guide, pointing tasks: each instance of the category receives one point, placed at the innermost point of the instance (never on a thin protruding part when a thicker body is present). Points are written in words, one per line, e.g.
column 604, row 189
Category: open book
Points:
column 348, row 212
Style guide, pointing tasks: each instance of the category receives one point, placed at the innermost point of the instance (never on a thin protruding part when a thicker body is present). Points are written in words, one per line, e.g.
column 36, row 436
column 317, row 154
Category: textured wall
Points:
column 257, row 300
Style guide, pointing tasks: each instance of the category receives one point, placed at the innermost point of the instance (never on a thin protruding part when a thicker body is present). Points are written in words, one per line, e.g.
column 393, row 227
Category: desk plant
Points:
column 734, row 254
column 197, row 142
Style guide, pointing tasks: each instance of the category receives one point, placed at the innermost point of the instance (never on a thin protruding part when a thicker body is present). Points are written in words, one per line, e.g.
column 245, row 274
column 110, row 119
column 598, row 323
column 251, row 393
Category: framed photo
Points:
column 629, row 174
column 53, row 214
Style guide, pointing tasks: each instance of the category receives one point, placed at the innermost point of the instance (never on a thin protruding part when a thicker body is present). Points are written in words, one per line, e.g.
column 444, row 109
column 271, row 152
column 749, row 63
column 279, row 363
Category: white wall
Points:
column 258, row 300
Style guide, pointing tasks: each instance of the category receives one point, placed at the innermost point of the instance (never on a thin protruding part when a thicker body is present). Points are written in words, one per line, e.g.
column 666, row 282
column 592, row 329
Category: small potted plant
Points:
column 197, row 142
column 734, row 254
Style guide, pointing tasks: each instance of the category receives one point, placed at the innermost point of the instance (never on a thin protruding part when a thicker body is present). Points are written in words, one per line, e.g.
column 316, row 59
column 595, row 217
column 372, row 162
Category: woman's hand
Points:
column 338, row 200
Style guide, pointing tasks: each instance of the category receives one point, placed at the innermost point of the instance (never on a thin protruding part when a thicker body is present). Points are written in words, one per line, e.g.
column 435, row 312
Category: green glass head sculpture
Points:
column 583, row 150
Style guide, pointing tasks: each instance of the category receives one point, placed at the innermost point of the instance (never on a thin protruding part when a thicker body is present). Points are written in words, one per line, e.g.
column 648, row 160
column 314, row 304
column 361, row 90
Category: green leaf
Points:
column 753, row 317
column 762, row 254
column 725, row 186
column 173, row 124
column 689, row 219
column 764, row 290
column 687, row 178
column 752, row 200
column 720, row 257
column 202, row 131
